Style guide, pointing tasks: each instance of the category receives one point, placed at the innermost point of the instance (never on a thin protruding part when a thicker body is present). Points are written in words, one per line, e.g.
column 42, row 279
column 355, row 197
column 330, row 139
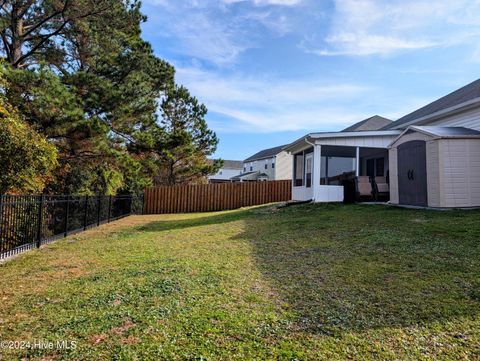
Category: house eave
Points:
column 316, row 138
column 441, row 113
column 430, row 134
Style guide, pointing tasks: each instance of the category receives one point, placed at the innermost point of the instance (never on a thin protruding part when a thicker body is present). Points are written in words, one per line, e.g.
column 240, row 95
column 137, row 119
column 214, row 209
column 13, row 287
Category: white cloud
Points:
column 368, row 27
column 365, row 44
column 211, row 31
column 272, row 105
column 205, row 38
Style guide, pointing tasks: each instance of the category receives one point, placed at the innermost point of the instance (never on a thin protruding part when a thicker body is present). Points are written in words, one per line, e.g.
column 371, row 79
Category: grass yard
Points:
column 322, row 282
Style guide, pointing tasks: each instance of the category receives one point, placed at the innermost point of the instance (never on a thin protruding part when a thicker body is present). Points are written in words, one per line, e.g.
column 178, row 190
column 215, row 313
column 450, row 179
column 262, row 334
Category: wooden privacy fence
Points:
column 214, row 197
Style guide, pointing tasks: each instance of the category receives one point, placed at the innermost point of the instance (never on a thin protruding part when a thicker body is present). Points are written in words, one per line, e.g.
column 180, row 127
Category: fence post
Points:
column 67, row 211
column 143, row 203
column 85, row 215
column 109, row 208
column 40, row 221
column 2, row 201
column 99, row 205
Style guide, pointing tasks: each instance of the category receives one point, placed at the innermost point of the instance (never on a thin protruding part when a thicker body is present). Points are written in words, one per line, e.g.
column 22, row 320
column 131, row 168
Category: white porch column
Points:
column 357, row 162
column 317, row 163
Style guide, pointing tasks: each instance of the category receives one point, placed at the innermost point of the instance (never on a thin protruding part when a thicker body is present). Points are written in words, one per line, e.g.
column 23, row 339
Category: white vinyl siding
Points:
column 392, row 156
column 366, row 141
column 461, row 172
column 281, row 171
column 433, row 173
column 225, row 174
column 467, row 119
column 283, row 166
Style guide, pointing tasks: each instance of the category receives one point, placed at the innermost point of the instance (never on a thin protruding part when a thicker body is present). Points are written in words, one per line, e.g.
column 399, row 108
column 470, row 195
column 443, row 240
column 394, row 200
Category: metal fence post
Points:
column 99, row 206
column 40, row 220
column 109, row 208
column 85, row 215
column 67, row 211
column 2, row 200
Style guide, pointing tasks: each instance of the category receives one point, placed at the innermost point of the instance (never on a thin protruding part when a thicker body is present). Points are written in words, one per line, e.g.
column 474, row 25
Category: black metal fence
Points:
column 29, row 221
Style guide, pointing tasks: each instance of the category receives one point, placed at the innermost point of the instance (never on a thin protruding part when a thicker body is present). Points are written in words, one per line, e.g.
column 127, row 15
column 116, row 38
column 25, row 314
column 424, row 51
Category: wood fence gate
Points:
column 214, row 197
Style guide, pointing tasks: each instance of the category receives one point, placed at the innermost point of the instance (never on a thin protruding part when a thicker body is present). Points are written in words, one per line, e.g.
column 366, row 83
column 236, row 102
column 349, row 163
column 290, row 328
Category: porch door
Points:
column 412, row 173
column 308, row 169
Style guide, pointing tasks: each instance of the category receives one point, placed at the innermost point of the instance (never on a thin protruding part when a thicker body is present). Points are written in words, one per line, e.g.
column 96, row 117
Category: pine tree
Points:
column 184, row 140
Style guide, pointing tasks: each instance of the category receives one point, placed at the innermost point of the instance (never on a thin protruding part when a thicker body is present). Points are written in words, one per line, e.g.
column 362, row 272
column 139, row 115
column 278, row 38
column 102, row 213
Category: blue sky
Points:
column 270, row 71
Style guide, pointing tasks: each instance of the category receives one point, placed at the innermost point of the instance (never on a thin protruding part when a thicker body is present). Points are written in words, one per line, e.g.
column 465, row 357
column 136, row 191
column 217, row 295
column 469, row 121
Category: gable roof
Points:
column 444, row 132
column 266, row 153
column 373, row 123
column 248, row 176
column 448, row 132
column 467, row 93
column 441, row 132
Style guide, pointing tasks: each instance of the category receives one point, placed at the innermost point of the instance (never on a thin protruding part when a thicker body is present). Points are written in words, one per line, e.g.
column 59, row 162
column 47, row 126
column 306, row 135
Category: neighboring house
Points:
column 430, row 156
column 268, row 164
column 373, row 123
column 230, row 168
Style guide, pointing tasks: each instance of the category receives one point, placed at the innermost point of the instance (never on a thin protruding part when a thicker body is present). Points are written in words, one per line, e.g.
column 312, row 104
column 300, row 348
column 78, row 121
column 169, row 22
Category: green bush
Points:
column 26, row 158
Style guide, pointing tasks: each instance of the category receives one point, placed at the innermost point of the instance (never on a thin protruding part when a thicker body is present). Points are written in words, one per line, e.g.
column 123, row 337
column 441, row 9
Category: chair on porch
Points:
column 364, row 188
column 381, row 188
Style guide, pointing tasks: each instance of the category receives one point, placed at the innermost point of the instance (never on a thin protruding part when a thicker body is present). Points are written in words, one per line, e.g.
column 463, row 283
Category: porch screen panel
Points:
column 337, row 169
column 308, row 170
column 298, row 170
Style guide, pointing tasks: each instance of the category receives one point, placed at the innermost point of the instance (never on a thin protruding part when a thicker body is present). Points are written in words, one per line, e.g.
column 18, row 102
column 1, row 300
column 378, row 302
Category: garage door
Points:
column 412, row 173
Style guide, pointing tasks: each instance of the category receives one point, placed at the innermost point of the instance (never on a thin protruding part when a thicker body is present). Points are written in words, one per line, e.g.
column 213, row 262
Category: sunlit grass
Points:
column 305, row 282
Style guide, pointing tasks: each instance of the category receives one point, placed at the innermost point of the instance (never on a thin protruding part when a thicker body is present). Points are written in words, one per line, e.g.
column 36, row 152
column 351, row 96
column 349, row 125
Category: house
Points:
column 268, row 164
column 373, row 123
column 435, row 161
column 322, row 161
column 230, row 168
column 430, row 157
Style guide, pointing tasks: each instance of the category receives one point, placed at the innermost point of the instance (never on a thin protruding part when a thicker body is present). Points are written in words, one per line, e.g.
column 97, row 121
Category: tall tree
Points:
column 83, row 77
column 184, row 140
column 31, row 29
column 93, row 91
column 26, row 158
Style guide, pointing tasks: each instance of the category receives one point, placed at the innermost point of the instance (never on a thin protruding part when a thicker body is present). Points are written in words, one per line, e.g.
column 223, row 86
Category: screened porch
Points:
column 321, row 173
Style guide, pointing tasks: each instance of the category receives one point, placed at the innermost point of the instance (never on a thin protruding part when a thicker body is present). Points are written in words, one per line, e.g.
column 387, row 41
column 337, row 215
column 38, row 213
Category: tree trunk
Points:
column 17, row 37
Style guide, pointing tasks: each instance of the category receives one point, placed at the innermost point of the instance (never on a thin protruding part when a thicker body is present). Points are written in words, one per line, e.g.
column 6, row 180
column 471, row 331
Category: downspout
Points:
column 306, row 141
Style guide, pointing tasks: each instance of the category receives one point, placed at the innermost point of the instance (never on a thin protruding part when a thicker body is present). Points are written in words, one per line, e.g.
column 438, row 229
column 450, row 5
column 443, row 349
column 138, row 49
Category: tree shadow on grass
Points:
column 352, row 268
column 213, row 219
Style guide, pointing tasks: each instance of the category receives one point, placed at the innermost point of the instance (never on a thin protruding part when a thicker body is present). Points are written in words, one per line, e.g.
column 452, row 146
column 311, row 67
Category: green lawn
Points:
column 305, row 282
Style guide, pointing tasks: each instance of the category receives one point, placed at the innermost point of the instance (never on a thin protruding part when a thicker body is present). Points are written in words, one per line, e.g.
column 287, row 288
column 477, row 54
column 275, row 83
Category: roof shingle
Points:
column 266, row 153
column 373, row 123
column 462, row 95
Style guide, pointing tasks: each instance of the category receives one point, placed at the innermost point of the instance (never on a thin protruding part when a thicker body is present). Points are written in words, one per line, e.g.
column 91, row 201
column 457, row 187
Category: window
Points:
column 308, row 170
column 220, row 172
column 376, row 167
column 370, row 167
column 251, row 168
column 266, row 166
column 298, row 172
column 273, row 165
column 244, row 169
column 380, row 167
